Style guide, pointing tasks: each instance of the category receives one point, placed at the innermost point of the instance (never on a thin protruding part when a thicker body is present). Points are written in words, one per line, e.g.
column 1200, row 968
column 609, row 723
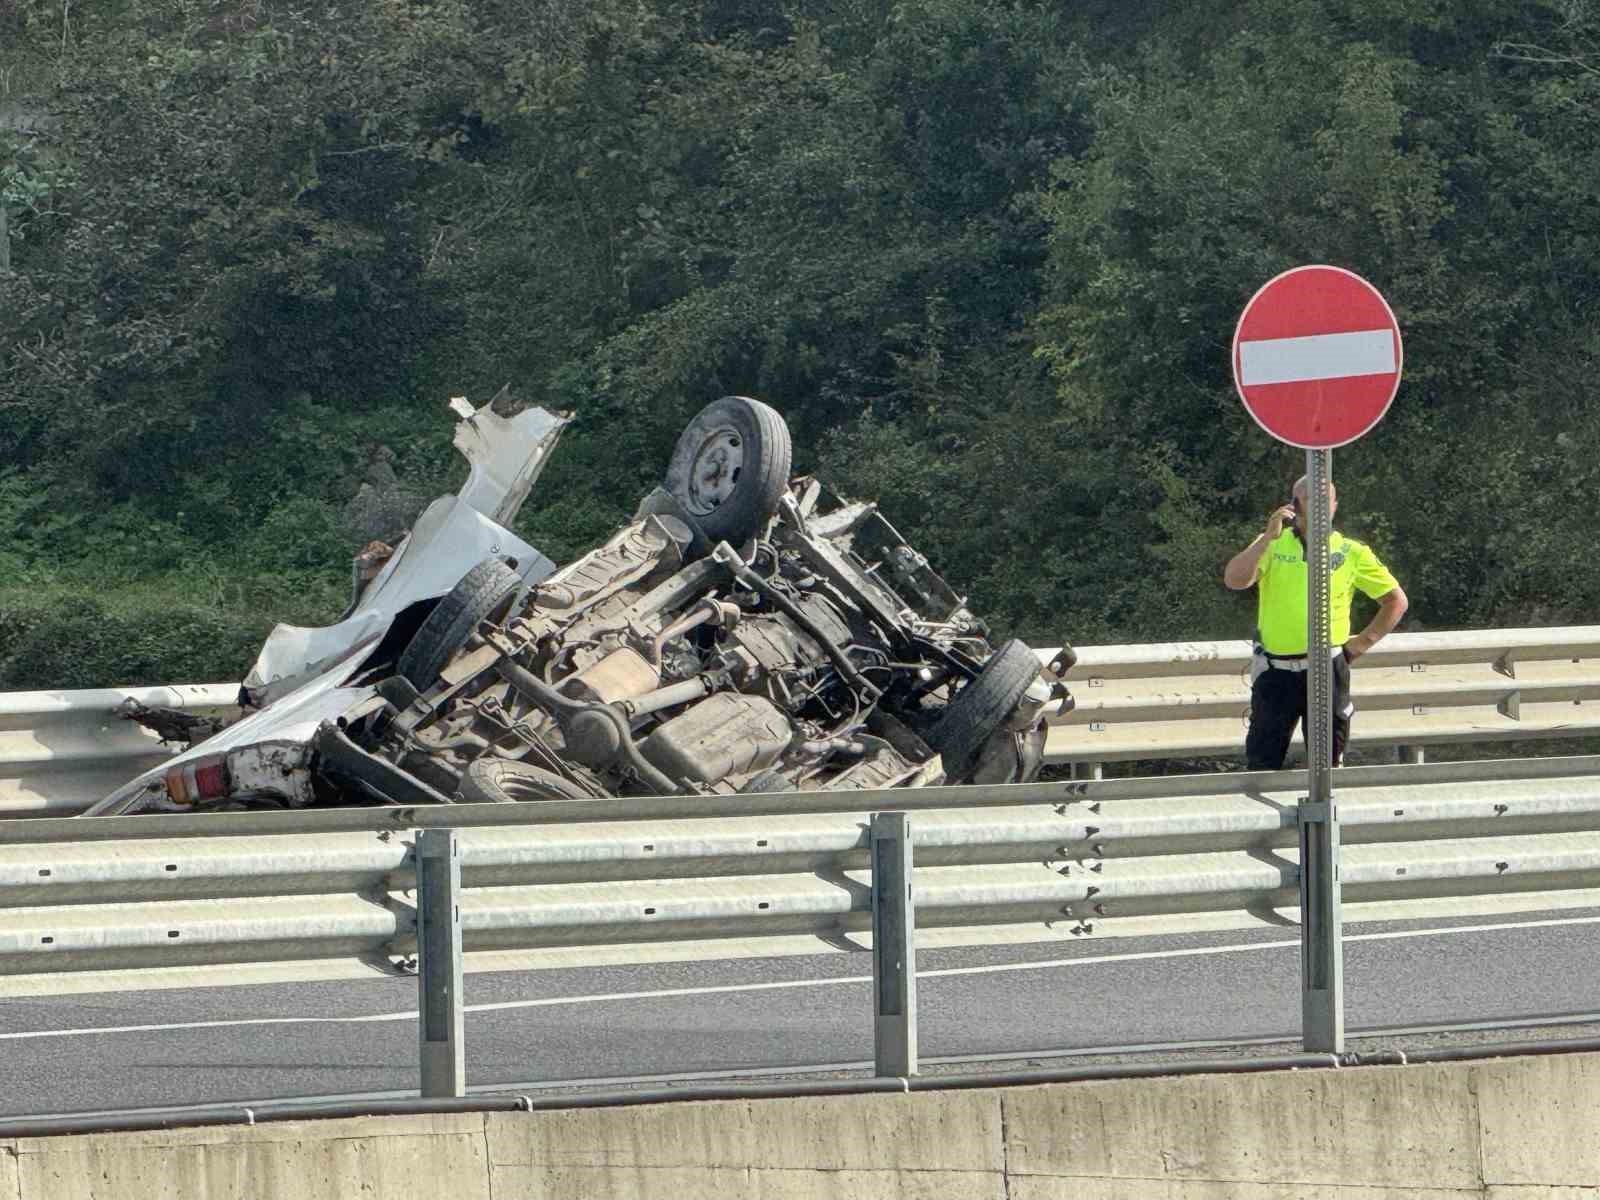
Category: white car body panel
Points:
column 300, row 677
column 452, row 536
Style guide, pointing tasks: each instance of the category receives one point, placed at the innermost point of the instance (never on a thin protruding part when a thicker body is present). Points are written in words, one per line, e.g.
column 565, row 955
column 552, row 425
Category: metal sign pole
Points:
column 1321, row 951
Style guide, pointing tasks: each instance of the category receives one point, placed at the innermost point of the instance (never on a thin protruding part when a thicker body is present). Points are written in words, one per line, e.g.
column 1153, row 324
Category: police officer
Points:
column 1276, row 563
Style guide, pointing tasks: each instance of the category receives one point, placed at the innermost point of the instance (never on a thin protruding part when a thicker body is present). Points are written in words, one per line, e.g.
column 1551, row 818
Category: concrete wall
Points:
column 1509, row 1129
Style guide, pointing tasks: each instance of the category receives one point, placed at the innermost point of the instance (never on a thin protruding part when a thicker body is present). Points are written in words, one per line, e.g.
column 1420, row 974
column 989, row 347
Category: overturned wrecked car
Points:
column 746, row 632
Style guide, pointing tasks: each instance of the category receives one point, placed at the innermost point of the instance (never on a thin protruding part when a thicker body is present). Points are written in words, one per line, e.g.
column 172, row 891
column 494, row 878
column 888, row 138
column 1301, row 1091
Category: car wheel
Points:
column 502, row 781
column 483, row 592
column 982, row 707
column 731, row 466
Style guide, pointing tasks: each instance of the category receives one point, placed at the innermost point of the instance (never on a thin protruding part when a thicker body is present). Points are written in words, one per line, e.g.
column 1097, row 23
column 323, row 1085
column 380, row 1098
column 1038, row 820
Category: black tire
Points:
column 983, row 706
column 485, row 591
column 767, row 781
column 730, row 467
column 502, row 781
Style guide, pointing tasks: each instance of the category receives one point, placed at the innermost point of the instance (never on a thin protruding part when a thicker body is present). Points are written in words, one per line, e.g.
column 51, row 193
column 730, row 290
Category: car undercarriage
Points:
column 745, row 632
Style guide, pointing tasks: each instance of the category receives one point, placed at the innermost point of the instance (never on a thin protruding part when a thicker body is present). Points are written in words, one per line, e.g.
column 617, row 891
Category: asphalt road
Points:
column 1533, row 974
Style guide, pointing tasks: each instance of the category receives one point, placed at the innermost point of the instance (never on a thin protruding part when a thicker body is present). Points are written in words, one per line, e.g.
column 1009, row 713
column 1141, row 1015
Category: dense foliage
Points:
column 985, row 254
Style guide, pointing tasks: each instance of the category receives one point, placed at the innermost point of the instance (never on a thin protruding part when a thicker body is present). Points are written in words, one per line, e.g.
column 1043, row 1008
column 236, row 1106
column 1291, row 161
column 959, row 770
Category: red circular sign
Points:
column 1316, row 357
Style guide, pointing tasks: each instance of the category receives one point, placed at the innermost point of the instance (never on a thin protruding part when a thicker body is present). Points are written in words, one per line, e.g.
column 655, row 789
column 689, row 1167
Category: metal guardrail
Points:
column 60, row 751
column 1181, row 699
column 213, row 891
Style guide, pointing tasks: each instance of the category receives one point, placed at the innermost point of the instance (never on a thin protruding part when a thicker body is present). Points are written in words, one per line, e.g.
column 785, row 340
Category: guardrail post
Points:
column 439, row 984
column 1321, row 929
column 894, row 935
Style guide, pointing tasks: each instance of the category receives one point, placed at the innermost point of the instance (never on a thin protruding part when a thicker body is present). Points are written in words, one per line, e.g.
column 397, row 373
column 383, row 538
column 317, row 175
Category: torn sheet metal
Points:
column 291, row 721
column 506, row 455
column 453, row 534
column 276, row 769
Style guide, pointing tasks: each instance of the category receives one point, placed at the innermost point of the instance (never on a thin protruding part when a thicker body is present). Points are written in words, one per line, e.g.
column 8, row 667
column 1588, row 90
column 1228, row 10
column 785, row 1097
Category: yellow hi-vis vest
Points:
column 1281, row 590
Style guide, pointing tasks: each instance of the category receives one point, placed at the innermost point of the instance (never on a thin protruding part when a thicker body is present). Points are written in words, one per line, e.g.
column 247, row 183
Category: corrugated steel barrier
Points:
column 169, row 891
column 1181, row 699
column 60, row 751
column 209, row 893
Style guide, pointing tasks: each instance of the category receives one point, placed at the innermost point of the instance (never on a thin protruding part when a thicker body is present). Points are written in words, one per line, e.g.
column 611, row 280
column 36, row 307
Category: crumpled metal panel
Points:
column 506, row 456
column 293, row 719
column 453, row 534
column 448, row 540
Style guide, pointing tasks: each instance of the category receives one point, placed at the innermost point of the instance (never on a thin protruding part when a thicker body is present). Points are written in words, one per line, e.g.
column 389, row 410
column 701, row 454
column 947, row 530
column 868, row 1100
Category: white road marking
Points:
column 1321, row 356
column 784, row 984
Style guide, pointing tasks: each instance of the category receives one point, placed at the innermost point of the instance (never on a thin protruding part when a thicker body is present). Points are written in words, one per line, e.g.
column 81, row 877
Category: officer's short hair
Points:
column 1303, row 484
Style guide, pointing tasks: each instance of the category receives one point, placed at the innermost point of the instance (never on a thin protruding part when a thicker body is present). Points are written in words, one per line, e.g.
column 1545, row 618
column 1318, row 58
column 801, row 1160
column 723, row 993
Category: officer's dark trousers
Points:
column 1278, row 704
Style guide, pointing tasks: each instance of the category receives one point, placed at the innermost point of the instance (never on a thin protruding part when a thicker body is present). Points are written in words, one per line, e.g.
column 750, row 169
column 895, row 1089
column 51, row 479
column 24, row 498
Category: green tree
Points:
column 1384, row 137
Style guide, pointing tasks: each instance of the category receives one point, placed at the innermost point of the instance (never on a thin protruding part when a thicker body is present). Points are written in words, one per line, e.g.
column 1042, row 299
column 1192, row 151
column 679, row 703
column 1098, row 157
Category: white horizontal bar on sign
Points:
column 1320, row 356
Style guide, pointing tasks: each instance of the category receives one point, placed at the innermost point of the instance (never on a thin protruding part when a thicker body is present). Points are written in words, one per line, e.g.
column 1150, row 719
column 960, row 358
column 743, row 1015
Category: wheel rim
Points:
column 715, row 469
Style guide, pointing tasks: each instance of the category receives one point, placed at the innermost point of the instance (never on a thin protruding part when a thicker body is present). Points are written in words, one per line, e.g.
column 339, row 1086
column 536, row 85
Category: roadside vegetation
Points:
column 986, row 256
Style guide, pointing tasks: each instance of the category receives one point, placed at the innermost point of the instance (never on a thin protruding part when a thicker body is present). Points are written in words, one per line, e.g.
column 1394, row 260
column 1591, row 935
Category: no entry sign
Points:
column 1316, row 357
